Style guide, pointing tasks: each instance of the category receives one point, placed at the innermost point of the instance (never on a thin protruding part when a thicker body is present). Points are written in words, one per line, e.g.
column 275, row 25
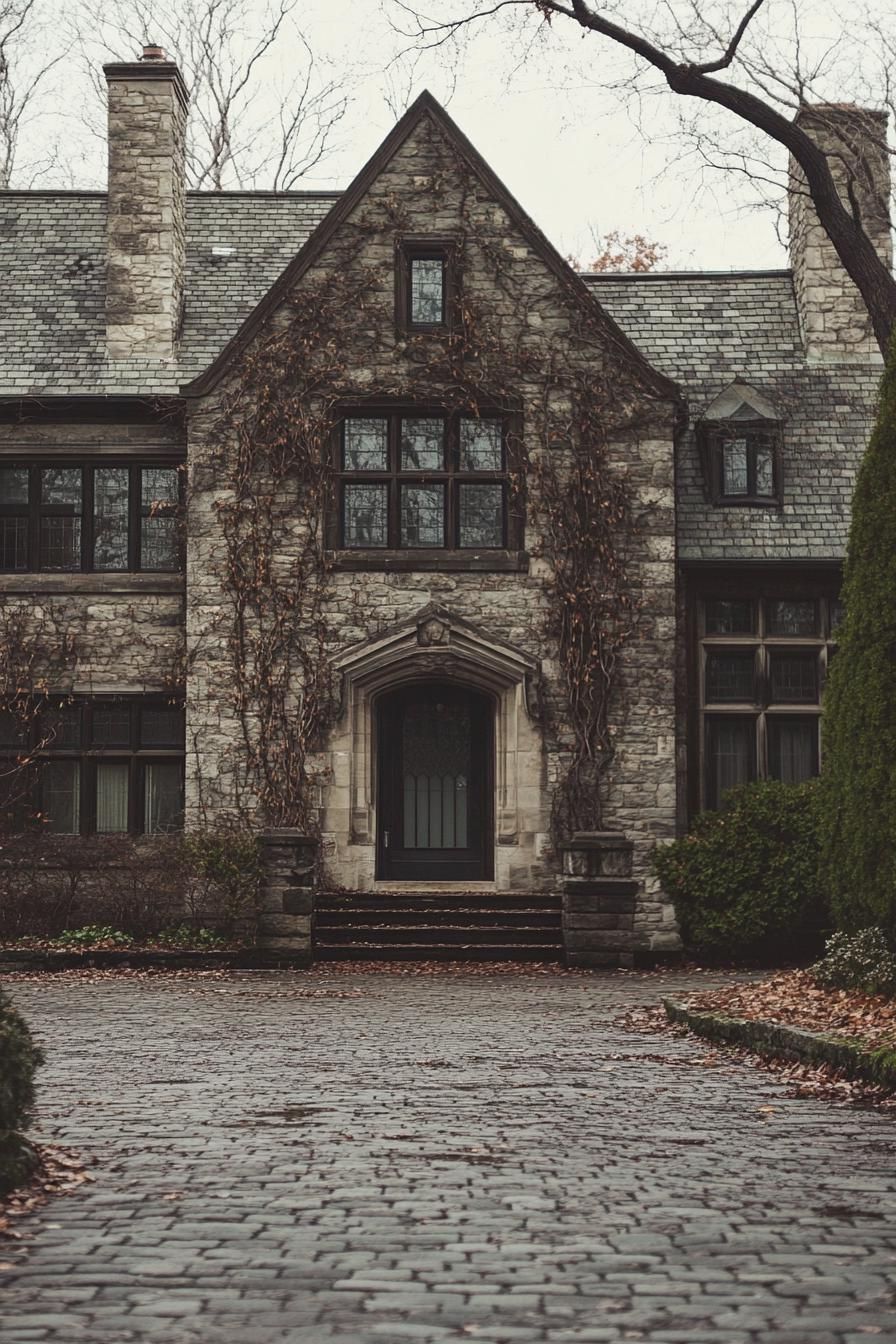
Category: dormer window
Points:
column 425, row 281
column 739, row 436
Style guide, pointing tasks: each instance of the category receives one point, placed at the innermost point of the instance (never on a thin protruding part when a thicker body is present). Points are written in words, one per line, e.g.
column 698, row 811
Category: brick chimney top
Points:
column 153, row 54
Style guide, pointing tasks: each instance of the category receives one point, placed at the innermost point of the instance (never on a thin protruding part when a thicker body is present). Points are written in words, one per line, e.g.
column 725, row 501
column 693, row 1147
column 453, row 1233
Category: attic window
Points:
column 425, row 279
column 739, row 437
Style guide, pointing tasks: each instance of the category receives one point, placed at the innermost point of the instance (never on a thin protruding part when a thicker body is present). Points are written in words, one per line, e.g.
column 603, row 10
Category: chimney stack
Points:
column 145, row 230
column 834, row 322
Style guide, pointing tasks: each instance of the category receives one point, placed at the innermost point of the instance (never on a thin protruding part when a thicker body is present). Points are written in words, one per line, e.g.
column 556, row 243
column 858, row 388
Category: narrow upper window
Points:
column 100, row 516
column 425, row 280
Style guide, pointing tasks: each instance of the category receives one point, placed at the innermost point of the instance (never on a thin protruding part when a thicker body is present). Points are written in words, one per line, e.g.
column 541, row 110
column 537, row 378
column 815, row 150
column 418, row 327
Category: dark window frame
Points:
column 712, row 437
column 88, row 756
column 437, row 248
column 765, row 645
column 35, row 511
column 452, row 477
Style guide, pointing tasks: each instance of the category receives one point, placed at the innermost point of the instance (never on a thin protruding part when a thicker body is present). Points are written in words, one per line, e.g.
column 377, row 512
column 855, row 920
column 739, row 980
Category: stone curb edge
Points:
column 772, row 1040
column 21, row 959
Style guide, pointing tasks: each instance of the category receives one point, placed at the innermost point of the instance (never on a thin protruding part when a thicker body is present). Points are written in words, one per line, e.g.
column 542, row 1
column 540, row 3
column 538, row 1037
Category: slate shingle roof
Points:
column 703, row 330
column 706, row 330
column 52, row 263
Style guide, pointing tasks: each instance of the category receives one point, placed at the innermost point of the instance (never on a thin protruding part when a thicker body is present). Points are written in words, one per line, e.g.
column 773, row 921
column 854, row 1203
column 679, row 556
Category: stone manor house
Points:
column 361, row 517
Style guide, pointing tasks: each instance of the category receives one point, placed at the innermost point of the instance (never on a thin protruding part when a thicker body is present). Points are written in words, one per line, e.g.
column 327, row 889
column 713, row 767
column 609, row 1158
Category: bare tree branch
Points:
column 23, row 68
column 690, row 74
column 249, row 127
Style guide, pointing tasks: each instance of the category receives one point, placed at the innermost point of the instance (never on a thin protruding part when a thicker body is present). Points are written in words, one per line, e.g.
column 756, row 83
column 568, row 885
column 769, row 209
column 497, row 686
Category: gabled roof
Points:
column 426, row 106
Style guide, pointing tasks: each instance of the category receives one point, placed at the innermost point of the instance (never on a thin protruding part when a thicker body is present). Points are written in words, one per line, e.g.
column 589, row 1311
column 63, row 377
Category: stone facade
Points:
column 163, row 333
column 504, row 607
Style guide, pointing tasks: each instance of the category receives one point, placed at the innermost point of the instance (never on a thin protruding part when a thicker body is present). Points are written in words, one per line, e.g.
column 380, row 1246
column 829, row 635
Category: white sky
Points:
column 568, row 149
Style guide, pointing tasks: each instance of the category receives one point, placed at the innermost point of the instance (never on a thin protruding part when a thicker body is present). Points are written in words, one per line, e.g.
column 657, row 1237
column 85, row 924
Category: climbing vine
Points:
column 333, row 343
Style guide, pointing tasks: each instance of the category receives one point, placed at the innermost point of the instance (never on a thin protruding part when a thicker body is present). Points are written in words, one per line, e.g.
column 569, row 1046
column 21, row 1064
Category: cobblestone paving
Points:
column 438, row 1159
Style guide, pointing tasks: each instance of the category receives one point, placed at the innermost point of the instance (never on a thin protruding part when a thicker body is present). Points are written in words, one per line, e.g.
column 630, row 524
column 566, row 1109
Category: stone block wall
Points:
column 833, row 318
column 288, row 866
column 424, row 190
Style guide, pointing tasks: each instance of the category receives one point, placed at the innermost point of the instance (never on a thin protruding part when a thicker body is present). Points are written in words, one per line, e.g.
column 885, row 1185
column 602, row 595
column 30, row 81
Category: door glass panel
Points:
column 436, row 749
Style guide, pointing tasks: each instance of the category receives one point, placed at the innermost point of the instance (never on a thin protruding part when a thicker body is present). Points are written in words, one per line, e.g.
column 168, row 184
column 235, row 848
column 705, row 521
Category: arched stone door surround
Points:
column 434, row 646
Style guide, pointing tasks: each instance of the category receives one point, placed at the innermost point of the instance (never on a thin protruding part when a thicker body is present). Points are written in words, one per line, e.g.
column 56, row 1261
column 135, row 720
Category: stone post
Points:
column 287, row 858
column 599, row 900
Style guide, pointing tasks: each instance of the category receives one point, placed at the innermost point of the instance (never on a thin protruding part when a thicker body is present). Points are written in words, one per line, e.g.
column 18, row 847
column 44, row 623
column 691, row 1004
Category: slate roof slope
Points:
column 706, row 329
column 702, row 330
column 52, row 263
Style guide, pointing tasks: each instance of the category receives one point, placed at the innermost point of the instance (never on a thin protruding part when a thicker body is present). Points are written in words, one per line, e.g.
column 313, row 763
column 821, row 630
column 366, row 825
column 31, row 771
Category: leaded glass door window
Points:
column 435, row 804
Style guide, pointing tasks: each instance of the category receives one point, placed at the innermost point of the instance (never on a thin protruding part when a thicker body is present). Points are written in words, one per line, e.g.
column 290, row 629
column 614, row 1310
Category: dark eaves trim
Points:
column 425, row 106
column 596, row 277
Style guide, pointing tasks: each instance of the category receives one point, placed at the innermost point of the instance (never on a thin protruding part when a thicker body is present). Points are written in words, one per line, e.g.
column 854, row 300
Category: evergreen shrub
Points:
column 745, row 880
column 19, row 1060
column 859, row 712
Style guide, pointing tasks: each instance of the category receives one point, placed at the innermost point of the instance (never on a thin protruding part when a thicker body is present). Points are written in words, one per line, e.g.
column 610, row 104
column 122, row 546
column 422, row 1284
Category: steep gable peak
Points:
column 427, row 108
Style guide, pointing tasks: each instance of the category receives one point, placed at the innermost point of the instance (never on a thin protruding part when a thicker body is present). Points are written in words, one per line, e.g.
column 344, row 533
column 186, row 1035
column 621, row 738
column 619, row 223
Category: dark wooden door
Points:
column 435, row 785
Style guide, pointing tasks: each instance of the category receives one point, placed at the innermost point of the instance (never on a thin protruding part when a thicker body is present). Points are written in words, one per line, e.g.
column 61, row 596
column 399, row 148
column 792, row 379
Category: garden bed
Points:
column 789, row 1016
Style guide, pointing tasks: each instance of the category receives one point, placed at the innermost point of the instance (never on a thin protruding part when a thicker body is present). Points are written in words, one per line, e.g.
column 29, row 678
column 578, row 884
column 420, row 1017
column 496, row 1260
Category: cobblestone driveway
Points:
column 438, row 1159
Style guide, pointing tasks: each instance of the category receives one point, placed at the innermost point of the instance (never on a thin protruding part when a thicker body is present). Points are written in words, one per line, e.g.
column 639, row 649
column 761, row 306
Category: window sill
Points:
column 434, row 561
column 769, row 503
column 73, row 584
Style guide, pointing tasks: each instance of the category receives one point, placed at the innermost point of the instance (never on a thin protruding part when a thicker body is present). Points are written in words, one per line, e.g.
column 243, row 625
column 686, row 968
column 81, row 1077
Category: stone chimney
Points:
column 833, row 319
column 145, row 231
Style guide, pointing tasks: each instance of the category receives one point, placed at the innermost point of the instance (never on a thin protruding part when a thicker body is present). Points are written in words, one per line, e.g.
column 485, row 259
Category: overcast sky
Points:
column 569, row 150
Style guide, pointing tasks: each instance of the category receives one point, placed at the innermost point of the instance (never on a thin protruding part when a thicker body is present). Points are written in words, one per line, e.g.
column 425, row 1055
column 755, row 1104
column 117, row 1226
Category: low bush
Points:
column 745, row 880
column 137, row 887
column 19, row 1061
column 861, row 961
column 93, row 935
column 186, row 936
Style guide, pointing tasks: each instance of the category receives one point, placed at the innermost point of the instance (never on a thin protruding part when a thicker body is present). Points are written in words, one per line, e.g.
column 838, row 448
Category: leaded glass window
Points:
column 422, row 481
column 104, row 766
column 94, row 516
column 427, row 291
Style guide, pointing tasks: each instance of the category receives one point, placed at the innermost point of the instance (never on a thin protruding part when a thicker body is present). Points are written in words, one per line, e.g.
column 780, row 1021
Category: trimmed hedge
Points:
column 745, row 881
column 859, row 712
column 19, row 1061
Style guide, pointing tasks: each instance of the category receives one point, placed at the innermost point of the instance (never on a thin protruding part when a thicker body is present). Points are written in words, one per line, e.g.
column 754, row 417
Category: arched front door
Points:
column 435, row 796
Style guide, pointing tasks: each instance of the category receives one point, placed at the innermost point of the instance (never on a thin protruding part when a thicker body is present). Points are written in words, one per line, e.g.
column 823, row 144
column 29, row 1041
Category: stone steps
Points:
column 464, row 926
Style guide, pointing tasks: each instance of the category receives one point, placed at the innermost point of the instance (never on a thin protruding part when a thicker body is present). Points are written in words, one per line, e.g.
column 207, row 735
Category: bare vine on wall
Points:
column 274, row 427
column 37, row 654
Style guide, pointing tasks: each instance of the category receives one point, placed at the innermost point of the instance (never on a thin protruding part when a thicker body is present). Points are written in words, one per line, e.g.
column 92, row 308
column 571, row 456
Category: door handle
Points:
column 385, row 839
